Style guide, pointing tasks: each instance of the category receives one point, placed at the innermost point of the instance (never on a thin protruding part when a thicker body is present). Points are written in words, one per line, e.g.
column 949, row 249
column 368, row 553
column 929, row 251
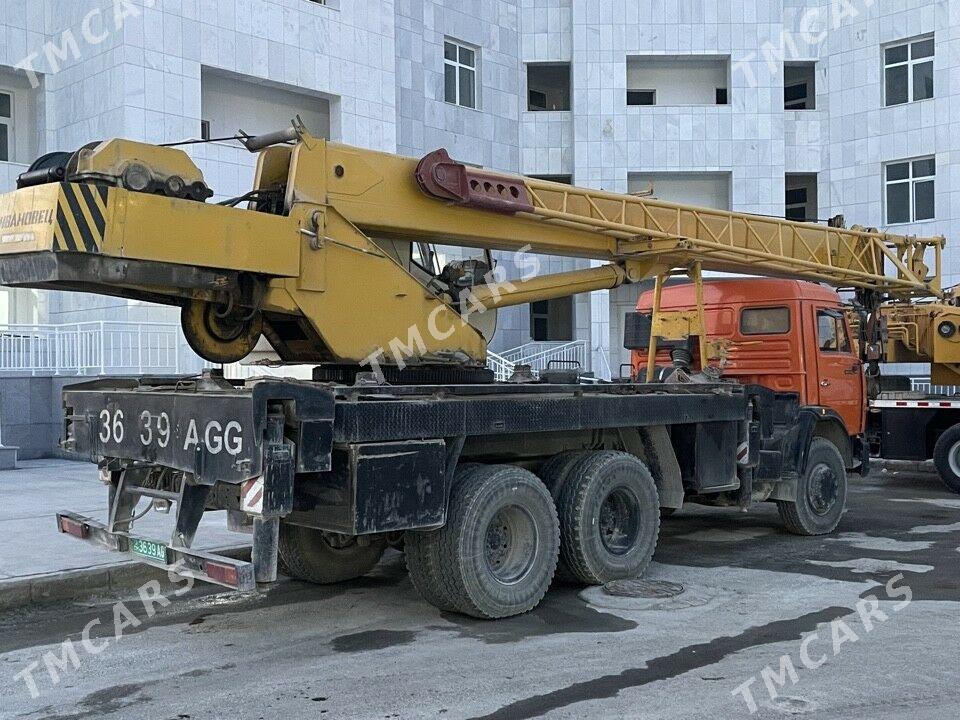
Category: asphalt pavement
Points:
column 863, row 624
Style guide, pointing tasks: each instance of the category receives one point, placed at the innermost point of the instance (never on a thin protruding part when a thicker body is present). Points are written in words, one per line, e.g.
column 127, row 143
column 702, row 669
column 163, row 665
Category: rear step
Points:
column 180, row 561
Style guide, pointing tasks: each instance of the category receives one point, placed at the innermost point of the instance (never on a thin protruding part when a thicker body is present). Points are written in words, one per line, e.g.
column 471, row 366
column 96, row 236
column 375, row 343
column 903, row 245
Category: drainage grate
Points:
column 641, row 588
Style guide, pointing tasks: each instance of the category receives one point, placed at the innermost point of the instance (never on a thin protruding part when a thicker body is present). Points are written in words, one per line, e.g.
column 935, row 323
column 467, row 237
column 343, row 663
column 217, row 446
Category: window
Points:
column 205, row 130
column 911, row 191
column 678, row 81
column 832, row 332
column 765, row 321
column 796, row 204
column 800, row 199
column 459, row 74
column 548, row 87
column 6, row 125
column 552, row 320
column 641, row 97
column 799, row 86
column 564, row 179
column 908, row 72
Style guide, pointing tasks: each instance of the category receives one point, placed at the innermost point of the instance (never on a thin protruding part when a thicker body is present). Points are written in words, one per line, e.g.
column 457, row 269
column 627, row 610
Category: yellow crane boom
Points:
column 317, row 257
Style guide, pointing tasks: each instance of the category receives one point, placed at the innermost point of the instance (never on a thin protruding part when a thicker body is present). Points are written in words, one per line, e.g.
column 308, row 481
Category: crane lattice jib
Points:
column 678, row 235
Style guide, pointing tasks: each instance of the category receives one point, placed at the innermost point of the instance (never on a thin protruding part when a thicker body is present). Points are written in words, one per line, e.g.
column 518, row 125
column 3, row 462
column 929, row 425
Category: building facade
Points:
column 798, row 108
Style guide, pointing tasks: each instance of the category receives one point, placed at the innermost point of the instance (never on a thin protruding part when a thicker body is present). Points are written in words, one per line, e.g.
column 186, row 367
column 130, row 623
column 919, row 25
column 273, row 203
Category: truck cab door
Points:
column 839, row 370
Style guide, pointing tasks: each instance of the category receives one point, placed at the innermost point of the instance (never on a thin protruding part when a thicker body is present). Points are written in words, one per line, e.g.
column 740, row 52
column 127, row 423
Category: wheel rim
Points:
column 953, row 458
column 823, row 488
column 510, row 545
column 619, row 523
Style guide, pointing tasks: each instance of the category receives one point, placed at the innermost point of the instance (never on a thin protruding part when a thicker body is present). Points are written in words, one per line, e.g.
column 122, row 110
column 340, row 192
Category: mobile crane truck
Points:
column 488, row 487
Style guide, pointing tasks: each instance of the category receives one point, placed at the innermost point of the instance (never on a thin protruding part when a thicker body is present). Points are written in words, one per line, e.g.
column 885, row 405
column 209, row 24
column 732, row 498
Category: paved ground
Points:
column 372, row 649
column 31, row 495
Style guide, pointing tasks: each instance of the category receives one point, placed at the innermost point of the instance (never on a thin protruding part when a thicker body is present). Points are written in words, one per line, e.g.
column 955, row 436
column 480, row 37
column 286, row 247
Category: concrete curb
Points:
column 88, row 583
column 925, row 467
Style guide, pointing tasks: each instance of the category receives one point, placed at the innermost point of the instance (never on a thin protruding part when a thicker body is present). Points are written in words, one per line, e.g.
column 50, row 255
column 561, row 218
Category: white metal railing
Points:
column 923, row 384
column 502, row 368
column 95, row 348
column 128, row 348
column 515, row 355
column 565, row 355
column 539, row 356
column 239, row 371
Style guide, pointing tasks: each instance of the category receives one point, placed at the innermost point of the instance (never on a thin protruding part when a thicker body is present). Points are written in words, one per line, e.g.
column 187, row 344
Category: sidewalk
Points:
column 31, row 495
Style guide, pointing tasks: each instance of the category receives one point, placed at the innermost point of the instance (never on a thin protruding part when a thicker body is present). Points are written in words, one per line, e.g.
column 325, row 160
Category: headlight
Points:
column 947, row 329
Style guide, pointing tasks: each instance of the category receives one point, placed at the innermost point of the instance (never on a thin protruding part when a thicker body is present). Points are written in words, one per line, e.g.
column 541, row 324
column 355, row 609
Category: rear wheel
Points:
column 821, row 492
column 609, row 518
column 499, row 548
column 946, row 457
column 554, row 471
column 421, row 550
column 323, row 558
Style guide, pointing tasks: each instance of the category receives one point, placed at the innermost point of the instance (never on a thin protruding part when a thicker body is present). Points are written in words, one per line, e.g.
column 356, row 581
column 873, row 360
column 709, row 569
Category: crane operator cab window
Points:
column 832, row 332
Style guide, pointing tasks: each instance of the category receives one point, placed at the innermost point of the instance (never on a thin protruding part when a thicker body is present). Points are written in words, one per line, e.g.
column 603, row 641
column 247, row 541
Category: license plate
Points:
column 149, row 549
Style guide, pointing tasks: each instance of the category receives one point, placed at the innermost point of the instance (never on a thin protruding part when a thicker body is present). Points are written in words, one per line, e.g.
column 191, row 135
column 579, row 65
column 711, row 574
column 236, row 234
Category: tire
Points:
column 499, row 548
column 219, row 340
column 308, row 554
column 421, row 551
column 667, row 512
column 554, row 472
column 946, row 456
column 609, row 518
column 821, row 492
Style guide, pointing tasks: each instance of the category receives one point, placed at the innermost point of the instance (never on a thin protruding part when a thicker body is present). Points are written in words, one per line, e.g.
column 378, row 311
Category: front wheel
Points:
column 821, row 492
column 946, row 457
column 323, row 558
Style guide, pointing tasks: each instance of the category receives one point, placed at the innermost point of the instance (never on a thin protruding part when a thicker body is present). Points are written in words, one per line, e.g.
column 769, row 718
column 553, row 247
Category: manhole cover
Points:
column 641, row 588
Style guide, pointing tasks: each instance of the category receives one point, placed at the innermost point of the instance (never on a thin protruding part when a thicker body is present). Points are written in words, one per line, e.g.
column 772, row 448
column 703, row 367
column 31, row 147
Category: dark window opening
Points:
column 800, row 198
column 564, row 179
column 722, row 96
column 641, row 97
column 552, row 320
column 799, row 86
column 548, row 87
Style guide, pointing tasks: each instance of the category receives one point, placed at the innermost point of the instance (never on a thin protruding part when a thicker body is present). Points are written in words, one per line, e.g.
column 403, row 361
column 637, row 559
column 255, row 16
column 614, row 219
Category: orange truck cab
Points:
column 789, row 336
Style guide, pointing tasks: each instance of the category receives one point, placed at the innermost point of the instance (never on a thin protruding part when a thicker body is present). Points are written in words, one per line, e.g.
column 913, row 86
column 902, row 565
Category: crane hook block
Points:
column 445, row 179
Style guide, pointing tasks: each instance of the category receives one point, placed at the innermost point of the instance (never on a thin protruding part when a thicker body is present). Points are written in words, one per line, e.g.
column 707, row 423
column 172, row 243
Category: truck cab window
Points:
column 831, row 332
column 765, row 321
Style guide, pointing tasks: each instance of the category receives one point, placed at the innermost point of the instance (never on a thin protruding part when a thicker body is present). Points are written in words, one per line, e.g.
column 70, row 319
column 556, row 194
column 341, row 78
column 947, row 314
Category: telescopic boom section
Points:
column 676, row 236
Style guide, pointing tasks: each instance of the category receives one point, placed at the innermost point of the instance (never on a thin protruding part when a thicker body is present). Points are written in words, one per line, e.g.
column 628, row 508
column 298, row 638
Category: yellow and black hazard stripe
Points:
column 81, row 218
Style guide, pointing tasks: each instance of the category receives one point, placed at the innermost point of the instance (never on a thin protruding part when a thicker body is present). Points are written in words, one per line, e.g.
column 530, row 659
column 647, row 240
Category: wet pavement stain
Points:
column 667, row 666
column 372, row 640
column 104, row 702
column 561, row 611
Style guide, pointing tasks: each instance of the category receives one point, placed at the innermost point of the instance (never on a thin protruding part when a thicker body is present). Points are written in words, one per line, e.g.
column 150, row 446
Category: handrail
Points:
column 100, row 347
